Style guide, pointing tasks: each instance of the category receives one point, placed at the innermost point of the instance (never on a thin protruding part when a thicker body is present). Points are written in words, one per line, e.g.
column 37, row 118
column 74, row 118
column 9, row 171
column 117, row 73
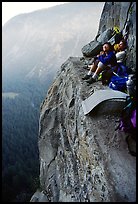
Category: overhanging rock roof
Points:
column 99, row 96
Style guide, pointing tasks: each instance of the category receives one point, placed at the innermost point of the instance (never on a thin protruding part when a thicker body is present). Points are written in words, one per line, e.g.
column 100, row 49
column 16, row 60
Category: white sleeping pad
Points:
column 99, row 96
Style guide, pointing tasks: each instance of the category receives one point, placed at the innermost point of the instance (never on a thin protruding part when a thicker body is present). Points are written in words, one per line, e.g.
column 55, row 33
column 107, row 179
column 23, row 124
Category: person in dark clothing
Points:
column 105, row 59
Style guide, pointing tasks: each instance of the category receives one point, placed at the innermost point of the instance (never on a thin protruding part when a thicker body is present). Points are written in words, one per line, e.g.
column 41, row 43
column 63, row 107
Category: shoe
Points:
column 86, row 77
column 92, row 80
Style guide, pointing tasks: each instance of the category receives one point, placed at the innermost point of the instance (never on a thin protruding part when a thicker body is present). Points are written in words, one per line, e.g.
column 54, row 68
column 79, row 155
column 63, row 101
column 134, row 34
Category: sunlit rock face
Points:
column 82, row 157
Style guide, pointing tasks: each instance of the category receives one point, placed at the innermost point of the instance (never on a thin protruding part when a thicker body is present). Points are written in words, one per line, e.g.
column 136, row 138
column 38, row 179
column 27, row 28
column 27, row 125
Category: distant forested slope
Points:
column 34, row 46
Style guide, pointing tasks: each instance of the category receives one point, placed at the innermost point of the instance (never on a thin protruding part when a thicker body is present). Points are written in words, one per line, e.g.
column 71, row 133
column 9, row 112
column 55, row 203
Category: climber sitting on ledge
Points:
column 105, row 59
column 120, row 50
column 121, row 70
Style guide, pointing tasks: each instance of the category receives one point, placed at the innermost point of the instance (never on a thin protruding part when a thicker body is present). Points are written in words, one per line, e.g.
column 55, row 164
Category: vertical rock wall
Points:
column 83, row 158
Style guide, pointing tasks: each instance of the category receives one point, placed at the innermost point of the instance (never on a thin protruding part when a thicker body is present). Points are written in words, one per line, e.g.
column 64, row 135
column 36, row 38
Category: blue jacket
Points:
column 109, row 58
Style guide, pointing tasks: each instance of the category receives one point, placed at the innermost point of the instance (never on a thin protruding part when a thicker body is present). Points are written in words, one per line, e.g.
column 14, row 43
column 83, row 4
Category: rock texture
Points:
column 114, row 14
column 83, row 158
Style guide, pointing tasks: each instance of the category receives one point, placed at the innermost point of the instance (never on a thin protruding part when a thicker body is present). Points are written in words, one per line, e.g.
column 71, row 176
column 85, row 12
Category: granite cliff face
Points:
column 82, row 157
column 121, row 15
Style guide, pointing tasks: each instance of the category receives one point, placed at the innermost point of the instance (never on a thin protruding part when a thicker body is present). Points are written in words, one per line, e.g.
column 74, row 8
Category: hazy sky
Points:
column 11, row 9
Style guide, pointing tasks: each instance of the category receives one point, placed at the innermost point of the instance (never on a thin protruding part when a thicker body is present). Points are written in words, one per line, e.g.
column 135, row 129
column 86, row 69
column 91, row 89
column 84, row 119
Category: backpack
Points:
column 122, row 70
column 107, row 74
column 118, row 83
column 127, row 122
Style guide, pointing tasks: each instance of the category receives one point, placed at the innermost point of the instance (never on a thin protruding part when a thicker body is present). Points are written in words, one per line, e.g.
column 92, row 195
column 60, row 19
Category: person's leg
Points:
column 93, row 67
column 97, row 72
column 95, row 76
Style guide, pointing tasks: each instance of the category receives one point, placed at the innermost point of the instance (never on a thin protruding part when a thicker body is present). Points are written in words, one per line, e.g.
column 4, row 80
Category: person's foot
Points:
column 91, row 80
column 86, row 77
